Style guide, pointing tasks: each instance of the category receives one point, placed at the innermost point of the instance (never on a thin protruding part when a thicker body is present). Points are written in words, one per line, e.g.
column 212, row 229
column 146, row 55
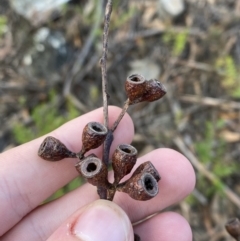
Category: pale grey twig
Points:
column 103, row 60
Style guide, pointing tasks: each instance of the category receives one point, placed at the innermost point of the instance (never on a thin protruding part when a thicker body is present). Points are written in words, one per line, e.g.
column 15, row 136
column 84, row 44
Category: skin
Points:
column 26, row 181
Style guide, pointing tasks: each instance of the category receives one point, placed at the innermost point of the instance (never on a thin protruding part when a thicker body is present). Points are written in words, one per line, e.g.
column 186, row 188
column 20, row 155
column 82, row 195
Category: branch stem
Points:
column 124, row 110
column 103, row 60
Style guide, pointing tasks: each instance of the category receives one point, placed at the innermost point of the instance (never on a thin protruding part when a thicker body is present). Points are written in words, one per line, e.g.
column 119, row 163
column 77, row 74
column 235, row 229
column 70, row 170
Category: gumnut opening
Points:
column 123, row 160
column 135, row 86
column 94, row 170
column 233, row 228
column 148, row 167
column 142, row 187
column 93, row 136
column 52, row 149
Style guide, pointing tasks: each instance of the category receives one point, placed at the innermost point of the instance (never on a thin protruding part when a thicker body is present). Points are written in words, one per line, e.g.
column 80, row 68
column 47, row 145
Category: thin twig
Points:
column 195, row 65
column 208, row 101
column 103, row 60
column 124, row 110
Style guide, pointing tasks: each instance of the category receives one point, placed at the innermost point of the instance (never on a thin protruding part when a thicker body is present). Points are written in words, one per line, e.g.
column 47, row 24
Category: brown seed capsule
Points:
column 94, row 170
column 148, row 167
column 52, row 149
column 141, row 186
column 233, row 228
column 123, row 160
column 154, row 90
column 135, row 86
column 138, row 89
column 93, row 136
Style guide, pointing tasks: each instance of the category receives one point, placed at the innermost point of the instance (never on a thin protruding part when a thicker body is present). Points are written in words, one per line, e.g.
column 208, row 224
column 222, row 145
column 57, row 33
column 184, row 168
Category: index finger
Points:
column 26, row 180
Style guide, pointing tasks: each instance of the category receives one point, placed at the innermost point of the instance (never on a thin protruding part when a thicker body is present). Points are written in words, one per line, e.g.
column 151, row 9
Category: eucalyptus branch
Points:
column 102, row 191
column 143, row 184
column 103, row 60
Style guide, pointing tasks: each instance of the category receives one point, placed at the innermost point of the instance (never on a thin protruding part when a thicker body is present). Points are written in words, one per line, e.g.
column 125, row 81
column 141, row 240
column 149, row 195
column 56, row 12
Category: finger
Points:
column 26, row 180
column 99, row 221
column 178, row 180
column 166, row 226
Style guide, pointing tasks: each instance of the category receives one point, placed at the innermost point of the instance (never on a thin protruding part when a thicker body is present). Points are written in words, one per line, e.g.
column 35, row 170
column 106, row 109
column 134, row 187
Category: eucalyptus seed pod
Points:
column 141, row 186
column 123, row 160
column 154, row 90
column 139, row 89
column 94, row 170
column 148, row 167
column 93, row 136
column 52, row 149
column 135, row 86
column 233, row 228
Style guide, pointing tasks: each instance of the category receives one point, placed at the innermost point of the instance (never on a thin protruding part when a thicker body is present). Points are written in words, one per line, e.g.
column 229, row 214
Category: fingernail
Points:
column 101, row 221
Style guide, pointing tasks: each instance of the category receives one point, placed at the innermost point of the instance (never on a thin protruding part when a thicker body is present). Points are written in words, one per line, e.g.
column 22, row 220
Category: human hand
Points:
column 26, row 181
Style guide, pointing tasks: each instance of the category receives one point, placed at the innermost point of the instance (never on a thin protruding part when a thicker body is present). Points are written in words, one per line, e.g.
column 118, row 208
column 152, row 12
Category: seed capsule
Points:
column 139, row 89
column 154, row 90
column 52, row 149
column 141, row 186
column 94, row 170
column 123, row 160
column 93, row 136
column 135, row 86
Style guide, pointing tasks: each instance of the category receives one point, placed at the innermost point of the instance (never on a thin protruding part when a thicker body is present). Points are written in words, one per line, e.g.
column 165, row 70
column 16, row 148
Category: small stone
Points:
column 171, row 7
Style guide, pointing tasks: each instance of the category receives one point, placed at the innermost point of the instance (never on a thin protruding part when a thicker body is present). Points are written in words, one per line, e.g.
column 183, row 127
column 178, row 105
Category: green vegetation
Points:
column 225, row 65
column 231, row 80
column 210, row 152
column 45, row 118
column 119, row 20
column 3, row 24
column 176, row 40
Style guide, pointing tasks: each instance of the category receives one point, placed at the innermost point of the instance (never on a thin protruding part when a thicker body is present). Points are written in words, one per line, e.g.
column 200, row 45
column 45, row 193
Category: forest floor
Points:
column 50, row 73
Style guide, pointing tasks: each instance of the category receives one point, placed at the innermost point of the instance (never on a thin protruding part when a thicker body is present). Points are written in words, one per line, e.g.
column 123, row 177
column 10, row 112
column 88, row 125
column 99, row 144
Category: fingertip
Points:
column 174, row 221
column 168, row 226
column 181, row 169
column 177, row 174
column 99, row 221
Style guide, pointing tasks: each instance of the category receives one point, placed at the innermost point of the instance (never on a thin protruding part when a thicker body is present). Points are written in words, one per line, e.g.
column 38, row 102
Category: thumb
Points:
column 98, row 221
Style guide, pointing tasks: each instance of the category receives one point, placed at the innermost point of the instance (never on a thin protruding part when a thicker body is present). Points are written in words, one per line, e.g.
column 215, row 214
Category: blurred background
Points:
column 50, row 73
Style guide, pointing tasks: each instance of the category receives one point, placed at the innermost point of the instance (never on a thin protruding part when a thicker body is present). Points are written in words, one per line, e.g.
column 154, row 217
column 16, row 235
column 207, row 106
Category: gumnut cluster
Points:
column 143, row 183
